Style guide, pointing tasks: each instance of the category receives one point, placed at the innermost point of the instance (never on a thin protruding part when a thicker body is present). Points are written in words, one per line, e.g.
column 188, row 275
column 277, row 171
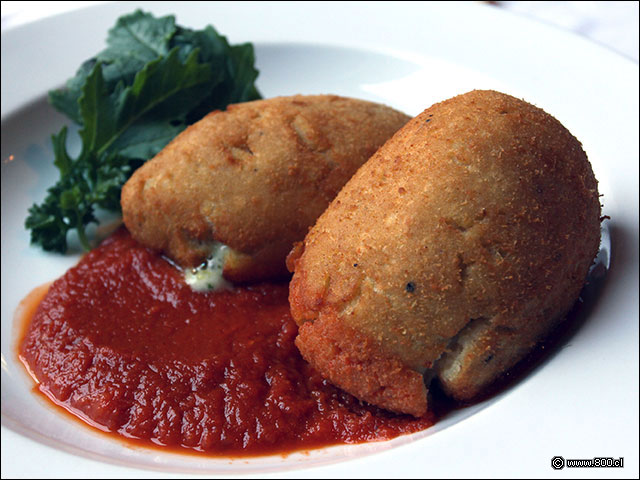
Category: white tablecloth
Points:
column 613, row 24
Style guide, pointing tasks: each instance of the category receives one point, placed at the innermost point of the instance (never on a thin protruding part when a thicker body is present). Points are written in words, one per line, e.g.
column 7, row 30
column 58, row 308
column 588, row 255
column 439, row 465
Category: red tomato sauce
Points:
column 123, row 343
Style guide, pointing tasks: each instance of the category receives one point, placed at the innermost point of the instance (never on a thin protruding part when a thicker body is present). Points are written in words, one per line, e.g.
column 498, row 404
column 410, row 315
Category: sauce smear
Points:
column 122, row 342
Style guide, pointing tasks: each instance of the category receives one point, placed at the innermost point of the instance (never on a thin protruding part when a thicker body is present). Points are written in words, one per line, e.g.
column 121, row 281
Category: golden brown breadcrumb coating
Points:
column 454, row 249
column 254, row 177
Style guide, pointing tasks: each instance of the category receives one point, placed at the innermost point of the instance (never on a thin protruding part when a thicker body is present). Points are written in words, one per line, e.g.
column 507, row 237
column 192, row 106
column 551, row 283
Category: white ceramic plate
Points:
column 581, row 403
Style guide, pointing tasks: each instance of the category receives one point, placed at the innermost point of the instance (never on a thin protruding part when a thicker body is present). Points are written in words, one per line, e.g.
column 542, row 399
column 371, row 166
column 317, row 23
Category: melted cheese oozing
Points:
column 208, row 276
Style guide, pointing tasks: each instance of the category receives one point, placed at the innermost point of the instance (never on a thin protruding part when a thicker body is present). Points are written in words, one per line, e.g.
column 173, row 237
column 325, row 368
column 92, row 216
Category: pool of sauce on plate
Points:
column 121, row 342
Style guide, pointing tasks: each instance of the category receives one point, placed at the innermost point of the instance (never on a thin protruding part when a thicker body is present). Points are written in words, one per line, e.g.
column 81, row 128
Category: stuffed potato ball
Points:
column 249, row 181
column 460, row 244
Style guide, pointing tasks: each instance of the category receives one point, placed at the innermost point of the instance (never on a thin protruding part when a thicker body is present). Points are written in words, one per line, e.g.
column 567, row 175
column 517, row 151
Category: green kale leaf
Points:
column 153, row 79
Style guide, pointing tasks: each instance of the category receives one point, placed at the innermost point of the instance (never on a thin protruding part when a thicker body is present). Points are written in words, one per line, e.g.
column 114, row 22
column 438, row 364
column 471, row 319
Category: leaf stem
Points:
column 82, row 235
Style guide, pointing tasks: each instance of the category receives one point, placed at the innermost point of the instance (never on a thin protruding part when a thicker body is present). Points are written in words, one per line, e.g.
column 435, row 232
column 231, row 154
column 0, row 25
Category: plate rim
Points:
column 626, row 271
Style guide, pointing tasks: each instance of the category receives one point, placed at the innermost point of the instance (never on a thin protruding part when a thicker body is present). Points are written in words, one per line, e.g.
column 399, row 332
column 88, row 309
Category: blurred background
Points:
column 612, row 24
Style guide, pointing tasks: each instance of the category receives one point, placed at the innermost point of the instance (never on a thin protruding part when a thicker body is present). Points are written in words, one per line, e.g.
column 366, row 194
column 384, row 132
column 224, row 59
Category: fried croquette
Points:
column 460, row 244
column 253, row 178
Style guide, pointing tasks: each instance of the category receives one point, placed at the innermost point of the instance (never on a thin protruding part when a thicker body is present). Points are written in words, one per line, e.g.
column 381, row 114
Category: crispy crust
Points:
column 481, row 208
column 354, row 362
column 254, row 177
